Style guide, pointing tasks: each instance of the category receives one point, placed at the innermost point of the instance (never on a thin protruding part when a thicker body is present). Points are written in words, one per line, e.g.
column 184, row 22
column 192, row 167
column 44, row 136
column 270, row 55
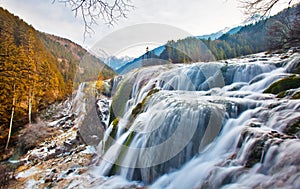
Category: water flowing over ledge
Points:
column 205, row 125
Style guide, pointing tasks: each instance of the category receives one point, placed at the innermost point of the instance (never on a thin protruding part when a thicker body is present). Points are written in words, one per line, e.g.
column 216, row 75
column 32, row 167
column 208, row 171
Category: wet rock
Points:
column 69, row 171
column 68, row 160
column 253, row 124
column 260, row 142
column 42, row 150
column 52, row 146
column 59, row 150
column 49, row 178
column 81, row 171
column 293, row 129
column 68, row 144
column 255, row 155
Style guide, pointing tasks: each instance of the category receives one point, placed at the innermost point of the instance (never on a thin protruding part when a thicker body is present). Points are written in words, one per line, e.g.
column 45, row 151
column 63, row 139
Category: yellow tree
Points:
column 31, row 65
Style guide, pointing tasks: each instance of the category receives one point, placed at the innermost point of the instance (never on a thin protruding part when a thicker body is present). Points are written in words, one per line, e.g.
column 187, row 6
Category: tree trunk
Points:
column 11, row 117
column 29, row 106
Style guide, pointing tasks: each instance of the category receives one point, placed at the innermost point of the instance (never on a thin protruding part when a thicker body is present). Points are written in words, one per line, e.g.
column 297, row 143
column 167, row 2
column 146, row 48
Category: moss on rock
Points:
column 140, row 107
column 114, row 127
column 281, row 86
column 293, row 129
column 152, row 91
column 121, row 97
column 116, row 167
column 296, row 96
column 137, row 109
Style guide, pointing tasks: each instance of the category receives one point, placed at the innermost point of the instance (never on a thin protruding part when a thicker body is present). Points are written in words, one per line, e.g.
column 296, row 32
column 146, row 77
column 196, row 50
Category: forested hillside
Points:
column 36, row 70
column 279, row 31
column 74, row 60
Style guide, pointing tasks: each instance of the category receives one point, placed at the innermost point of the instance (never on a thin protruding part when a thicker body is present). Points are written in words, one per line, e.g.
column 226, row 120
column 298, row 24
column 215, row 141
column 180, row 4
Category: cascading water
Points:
column 205, row 125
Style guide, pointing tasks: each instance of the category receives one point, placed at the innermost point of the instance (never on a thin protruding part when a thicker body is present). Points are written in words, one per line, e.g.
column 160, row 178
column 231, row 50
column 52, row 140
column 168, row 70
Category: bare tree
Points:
column 92, row 10
column 264, row 7
column 283, row 30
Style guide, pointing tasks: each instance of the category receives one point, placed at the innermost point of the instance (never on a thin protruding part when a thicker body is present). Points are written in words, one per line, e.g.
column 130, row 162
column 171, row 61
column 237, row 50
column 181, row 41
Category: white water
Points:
column 209, row 126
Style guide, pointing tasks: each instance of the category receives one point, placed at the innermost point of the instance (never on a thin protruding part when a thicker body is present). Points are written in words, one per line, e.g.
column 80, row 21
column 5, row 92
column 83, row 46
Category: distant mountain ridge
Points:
column 137, row 62
column 213, row 36
column 252, row 36
column 116, row 62
column 157, row 51
column 233, row 29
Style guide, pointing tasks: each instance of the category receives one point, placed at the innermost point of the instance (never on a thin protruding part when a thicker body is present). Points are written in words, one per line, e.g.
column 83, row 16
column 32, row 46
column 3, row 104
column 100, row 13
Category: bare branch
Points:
column 110, row 11
column 263, row 7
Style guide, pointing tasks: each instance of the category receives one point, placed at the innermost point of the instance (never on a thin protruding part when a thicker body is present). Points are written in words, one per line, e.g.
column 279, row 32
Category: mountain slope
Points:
column 215, row 35
column 75, row 62
column 279, row 31
column 116, row 62
column 36, row 70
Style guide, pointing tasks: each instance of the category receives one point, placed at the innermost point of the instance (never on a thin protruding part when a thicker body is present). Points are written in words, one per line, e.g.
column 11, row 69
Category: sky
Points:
column 195, row 17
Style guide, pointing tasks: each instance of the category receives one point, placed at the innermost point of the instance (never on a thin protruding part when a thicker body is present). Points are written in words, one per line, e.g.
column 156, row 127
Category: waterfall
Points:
column 204, row 125
column 78, row 101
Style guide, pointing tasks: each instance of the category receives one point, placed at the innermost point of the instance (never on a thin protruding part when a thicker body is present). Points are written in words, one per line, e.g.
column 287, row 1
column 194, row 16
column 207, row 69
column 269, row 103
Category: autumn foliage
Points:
column 36, row 70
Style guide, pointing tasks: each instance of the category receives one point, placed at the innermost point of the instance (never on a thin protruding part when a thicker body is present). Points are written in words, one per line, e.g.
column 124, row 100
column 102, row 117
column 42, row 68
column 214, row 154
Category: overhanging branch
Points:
column 110, row 11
